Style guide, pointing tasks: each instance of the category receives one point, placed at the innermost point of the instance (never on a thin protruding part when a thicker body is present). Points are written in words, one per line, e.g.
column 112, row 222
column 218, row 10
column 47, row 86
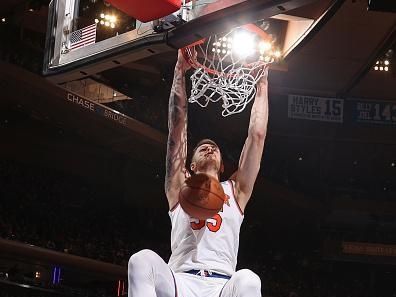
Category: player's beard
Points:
column 208, row 164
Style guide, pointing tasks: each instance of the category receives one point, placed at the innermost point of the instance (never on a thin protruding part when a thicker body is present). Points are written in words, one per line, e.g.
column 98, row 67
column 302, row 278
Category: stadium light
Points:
column 107, row 20
column 243, row 44
column 385, row 61
column 264, row 47
column 382, row 65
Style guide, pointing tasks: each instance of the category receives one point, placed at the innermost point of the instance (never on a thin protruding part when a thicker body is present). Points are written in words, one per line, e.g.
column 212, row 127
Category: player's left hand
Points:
column 264, row 78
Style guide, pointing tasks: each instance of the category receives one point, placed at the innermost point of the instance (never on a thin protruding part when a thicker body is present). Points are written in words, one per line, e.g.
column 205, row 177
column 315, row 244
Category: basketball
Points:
column 201, row 196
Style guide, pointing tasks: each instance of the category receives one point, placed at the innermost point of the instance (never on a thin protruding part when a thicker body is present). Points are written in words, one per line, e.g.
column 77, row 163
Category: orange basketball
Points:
column 201, row 196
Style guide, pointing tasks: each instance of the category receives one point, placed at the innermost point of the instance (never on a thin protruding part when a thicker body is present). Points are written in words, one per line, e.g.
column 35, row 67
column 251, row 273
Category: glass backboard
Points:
column 87, row 37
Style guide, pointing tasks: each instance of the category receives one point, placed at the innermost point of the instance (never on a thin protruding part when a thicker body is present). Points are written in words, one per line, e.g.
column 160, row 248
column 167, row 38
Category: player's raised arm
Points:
column 249, row 162
column 176, row 153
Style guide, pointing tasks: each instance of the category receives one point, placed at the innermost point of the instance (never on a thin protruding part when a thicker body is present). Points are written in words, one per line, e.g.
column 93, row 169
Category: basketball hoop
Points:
column 227, row 67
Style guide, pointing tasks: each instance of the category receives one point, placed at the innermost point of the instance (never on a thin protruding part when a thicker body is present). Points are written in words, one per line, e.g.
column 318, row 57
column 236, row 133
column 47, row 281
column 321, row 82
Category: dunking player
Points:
column 204, row 253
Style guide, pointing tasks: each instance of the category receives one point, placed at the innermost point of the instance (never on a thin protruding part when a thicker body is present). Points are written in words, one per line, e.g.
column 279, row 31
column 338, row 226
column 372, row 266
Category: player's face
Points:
column 207, row 155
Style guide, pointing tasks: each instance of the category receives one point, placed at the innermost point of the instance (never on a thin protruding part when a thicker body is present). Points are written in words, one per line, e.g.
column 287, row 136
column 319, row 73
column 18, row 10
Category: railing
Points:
column 27, row 270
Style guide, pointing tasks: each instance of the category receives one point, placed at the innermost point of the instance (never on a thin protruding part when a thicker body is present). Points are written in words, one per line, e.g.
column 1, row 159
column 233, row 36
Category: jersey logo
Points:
column 227, row 200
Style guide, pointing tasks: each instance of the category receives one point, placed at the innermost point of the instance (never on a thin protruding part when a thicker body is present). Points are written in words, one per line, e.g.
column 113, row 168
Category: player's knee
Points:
column 247, row 280
column 141, row 259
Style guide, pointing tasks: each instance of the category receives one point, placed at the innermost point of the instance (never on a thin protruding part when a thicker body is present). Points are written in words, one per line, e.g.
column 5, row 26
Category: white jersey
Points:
column 209, row 245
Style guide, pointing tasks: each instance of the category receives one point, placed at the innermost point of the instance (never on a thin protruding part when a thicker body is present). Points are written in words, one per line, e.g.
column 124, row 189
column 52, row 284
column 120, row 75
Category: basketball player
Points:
column 204, row 253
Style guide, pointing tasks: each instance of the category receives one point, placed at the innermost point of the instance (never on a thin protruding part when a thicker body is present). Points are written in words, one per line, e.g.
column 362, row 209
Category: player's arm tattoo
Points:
column 177, row 139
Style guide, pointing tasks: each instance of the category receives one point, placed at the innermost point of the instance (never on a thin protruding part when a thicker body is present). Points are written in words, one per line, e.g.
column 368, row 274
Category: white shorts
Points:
column 150, row 276
column 198, row 286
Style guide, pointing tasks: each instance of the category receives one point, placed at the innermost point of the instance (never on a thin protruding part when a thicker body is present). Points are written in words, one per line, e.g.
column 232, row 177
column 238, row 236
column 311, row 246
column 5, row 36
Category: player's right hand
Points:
column 182, row 62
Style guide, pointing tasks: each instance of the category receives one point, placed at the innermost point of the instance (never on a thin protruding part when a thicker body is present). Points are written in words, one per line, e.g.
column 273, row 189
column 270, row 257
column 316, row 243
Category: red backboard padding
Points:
column 147, row 10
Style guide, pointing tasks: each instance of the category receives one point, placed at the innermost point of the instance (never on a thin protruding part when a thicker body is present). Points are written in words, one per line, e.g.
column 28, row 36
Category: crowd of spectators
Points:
column 22, row 47
column 55, row 211
column 142, row 108
column 28, row 59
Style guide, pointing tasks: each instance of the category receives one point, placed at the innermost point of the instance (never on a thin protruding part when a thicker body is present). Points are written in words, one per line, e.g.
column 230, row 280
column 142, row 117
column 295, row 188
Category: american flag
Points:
column 83, row 37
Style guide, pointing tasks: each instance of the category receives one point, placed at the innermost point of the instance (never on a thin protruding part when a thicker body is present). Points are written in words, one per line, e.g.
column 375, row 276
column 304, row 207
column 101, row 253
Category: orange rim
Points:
column 188, row 51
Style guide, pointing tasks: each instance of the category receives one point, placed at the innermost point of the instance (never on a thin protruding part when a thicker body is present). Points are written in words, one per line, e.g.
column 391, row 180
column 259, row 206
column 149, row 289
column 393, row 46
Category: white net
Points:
column 225, row 74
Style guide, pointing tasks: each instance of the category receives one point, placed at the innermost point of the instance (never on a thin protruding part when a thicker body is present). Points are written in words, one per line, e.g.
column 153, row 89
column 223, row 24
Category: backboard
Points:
column 87, row 37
